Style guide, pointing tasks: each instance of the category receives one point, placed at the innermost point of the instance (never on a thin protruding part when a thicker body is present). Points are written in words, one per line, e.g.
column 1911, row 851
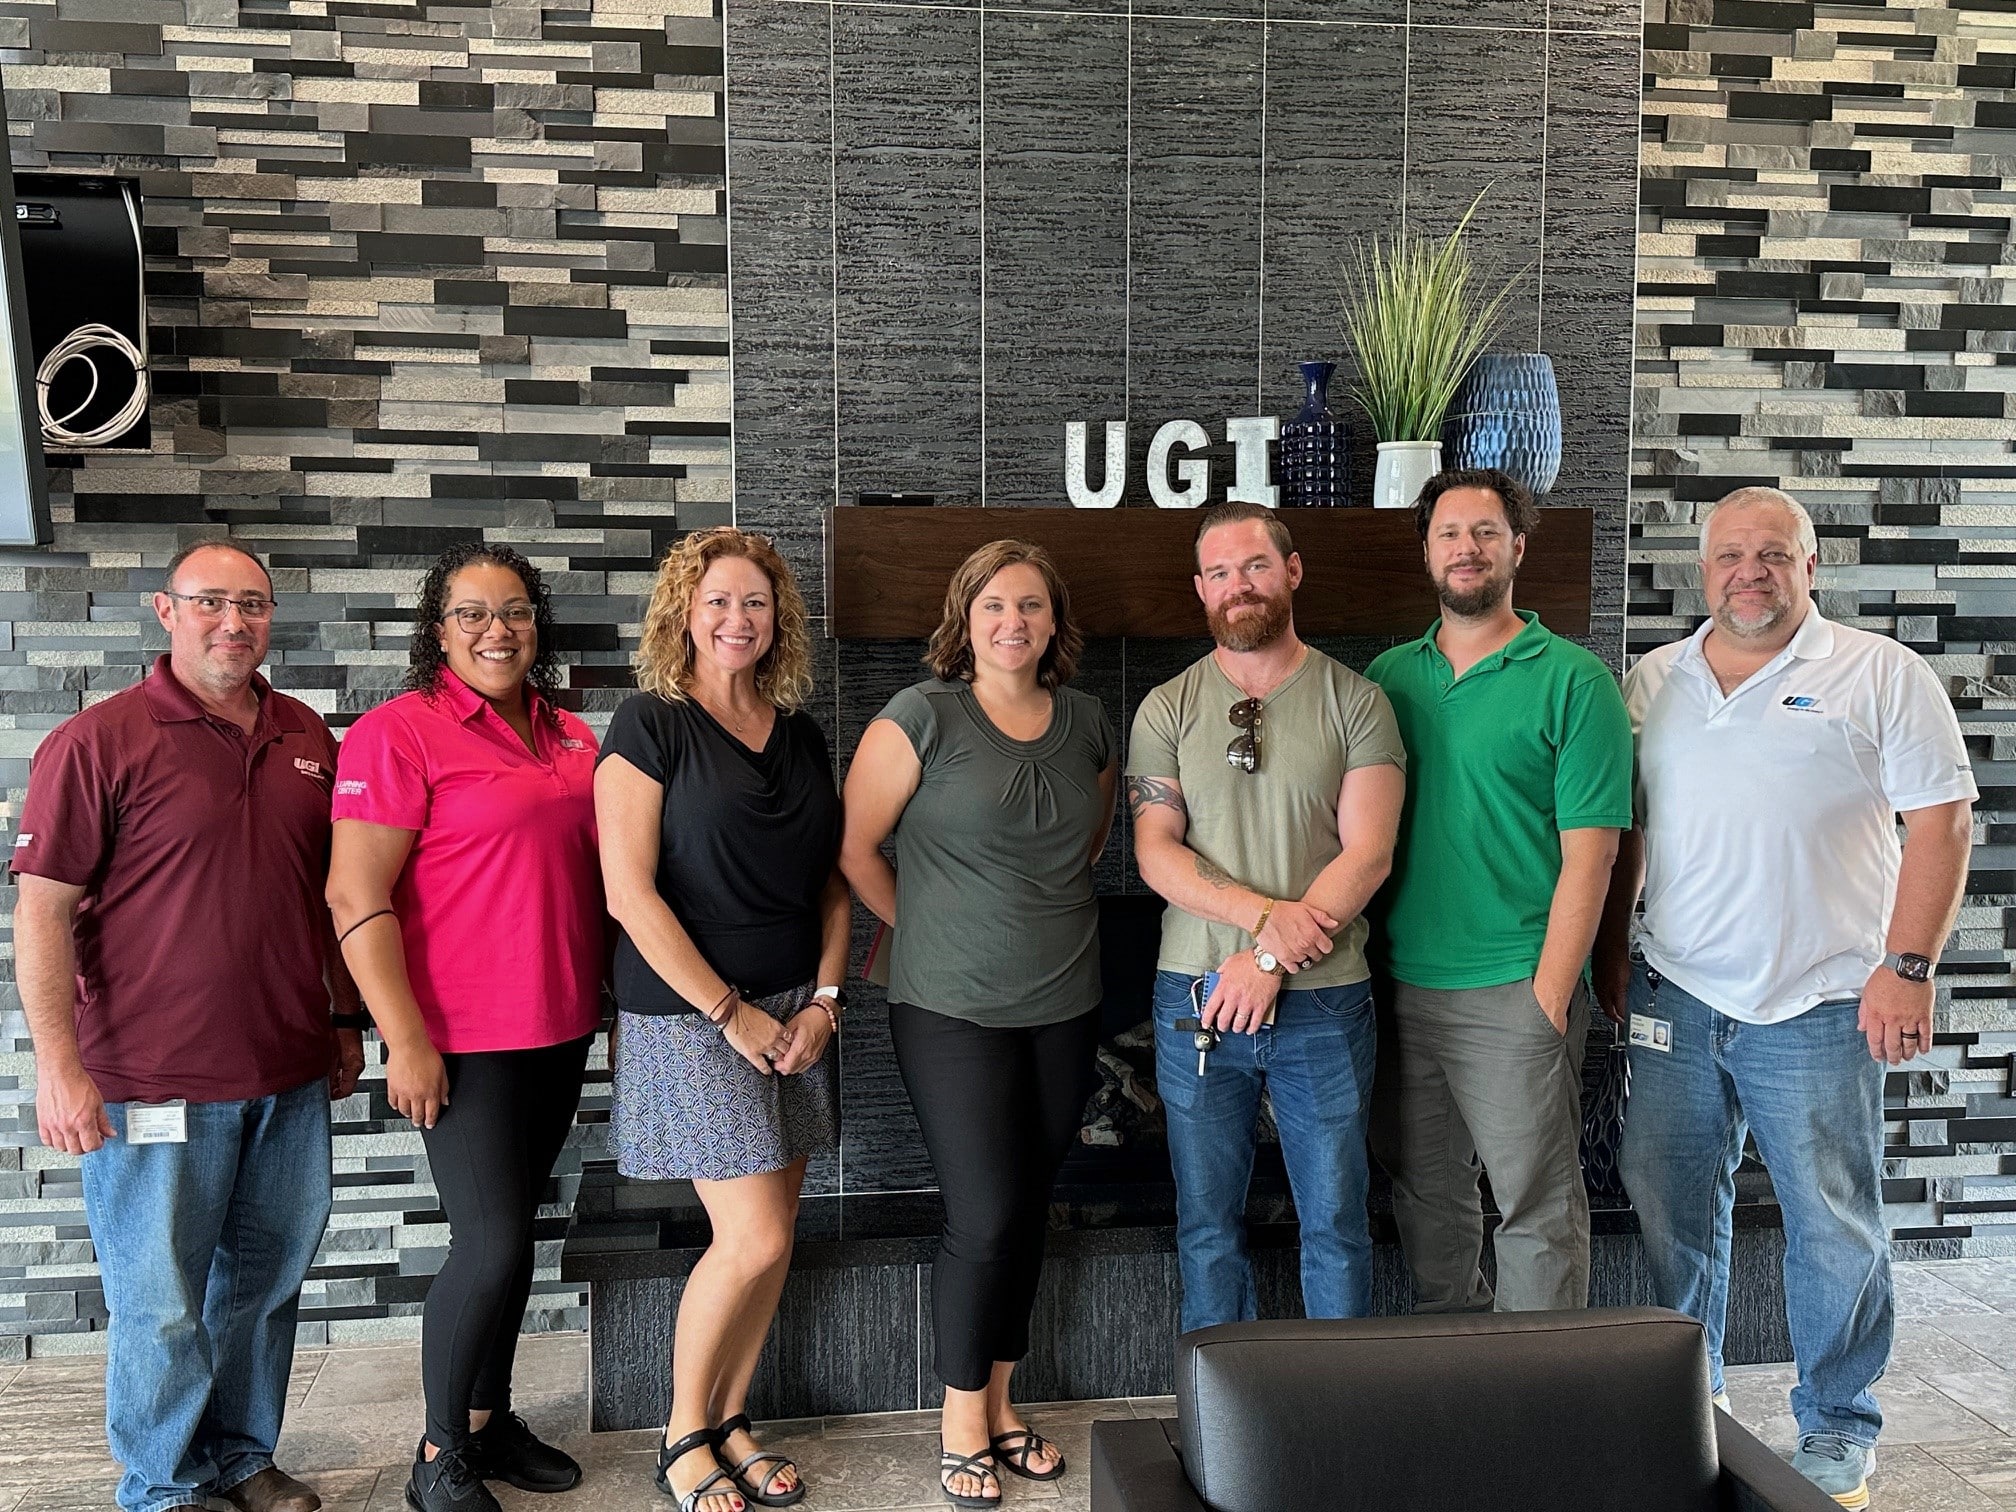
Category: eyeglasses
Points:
column 1244, row 751
column 213, row 605
column 475, row 618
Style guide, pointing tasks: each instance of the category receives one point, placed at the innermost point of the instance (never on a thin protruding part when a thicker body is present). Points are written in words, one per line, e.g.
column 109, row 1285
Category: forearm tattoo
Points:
column 1210, row 871
column 1148, row 792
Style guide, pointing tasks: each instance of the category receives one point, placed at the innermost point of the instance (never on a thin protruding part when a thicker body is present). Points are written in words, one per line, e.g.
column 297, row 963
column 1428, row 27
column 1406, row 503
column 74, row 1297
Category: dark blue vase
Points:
column 1314, row 464
column 1507, row 415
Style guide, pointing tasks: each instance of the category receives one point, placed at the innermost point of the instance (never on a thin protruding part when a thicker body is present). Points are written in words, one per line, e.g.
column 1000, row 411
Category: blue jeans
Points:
column 1316, row 1062
column 203, row 1248
column 1809, row 1092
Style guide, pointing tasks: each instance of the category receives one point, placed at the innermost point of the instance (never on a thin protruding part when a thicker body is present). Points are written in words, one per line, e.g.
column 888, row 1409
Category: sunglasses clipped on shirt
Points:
column 1244, row 751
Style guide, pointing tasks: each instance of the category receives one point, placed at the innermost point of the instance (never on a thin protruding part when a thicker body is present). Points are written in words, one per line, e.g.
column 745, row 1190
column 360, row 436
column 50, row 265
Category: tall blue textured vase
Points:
column 1507, row 415
column 1314, row 465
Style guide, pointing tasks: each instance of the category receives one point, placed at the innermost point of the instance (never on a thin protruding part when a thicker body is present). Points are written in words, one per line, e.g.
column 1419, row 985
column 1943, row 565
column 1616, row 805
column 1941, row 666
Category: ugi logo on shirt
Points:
column 1804, row 705
column 308, row 768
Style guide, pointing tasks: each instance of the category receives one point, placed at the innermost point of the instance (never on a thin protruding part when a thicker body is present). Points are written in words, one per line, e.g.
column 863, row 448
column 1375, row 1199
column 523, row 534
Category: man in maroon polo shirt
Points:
column 174, row 962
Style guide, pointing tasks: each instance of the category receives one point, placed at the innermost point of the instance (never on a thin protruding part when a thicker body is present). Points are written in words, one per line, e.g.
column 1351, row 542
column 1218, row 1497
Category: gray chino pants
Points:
column 1478, row 1078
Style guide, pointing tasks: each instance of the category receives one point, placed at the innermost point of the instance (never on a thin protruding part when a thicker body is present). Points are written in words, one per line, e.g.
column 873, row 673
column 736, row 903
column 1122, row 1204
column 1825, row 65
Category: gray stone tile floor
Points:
column 1949, row 1443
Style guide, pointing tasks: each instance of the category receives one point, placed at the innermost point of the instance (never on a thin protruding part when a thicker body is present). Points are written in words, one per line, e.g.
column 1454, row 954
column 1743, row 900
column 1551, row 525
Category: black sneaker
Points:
column 447, row 1483
column 505, row 1449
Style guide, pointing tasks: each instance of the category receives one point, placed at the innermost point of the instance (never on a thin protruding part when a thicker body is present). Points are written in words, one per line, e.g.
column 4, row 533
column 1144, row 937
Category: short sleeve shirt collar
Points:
column 1532, row 639
column 1812, row 641
column 168, row 702
column 463, row 701
column 465, row 706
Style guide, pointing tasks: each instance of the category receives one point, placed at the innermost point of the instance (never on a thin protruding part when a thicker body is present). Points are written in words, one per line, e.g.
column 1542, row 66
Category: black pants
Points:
column 999, row 1109
column 492, row 1152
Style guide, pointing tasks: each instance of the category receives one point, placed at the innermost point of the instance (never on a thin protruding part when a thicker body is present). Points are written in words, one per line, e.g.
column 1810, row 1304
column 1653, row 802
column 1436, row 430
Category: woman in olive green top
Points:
column 998, row 781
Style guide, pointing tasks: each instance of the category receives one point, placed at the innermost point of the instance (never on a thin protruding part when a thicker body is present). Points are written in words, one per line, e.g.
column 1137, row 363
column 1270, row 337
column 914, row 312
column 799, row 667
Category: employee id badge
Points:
column 157, row 1123
column 1651, row 1033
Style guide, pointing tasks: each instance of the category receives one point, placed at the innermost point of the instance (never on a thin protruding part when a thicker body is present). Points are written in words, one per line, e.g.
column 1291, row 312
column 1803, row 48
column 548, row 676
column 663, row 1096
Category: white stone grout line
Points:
column 728, row 212
column 1127, row 245
column 982, row 253
column 833, row 229
column 1540, row 257
column 1260, row 323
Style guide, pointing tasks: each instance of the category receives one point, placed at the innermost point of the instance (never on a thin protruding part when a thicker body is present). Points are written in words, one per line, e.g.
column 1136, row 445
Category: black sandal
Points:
column 1018, row 1455
column 980, row 1465
column 756, row 1490
column 699, row 1438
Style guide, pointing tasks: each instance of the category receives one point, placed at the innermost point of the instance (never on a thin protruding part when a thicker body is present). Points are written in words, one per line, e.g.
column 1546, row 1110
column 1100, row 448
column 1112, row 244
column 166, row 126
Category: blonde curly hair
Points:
column 664, row 661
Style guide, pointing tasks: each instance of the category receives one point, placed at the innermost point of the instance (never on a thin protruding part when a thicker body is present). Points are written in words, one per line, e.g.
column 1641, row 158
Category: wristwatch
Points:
column 351, row 1020
column 1913, row 968
column 1268, row 962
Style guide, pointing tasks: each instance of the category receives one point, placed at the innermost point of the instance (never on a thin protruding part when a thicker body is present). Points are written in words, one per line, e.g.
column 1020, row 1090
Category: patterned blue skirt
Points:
column 688, row 1107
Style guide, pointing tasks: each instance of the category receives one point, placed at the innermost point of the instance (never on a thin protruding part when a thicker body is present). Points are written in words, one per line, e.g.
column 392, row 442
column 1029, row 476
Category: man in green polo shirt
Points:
column 1518, row 782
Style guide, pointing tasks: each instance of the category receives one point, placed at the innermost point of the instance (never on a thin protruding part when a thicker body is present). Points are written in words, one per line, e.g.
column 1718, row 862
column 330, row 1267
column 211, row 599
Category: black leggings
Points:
column 999, row 1109
column 492, row 1151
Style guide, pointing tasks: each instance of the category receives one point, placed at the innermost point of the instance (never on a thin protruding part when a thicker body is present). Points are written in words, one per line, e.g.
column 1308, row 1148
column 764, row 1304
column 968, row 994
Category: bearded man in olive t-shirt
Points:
column 1265, row 784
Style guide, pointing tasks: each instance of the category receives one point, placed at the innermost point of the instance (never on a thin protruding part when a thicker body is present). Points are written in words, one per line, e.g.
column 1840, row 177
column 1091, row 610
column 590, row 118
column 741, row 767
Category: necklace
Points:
column 726, row 715
column 1259, row 692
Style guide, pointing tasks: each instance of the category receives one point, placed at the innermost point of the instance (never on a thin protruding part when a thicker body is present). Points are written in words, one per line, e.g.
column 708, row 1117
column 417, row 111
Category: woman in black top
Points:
column 720, row 829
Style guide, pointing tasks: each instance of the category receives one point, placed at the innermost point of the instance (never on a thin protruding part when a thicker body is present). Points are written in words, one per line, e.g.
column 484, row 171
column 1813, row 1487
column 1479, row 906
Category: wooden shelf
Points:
column 1130, row 570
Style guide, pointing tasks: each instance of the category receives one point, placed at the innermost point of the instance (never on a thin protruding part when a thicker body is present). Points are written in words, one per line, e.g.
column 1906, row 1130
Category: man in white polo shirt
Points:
column 1786, row 951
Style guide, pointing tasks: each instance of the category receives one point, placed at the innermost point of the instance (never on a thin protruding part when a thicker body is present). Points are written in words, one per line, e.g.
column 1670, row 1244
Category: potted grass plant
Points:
column 1417, row 314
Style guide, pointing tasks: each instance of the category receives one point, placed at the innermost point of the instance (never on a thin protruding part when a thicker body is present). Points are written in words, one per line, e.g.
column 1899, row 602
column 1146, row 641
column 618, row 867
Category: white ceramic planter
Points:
column 1403, row 467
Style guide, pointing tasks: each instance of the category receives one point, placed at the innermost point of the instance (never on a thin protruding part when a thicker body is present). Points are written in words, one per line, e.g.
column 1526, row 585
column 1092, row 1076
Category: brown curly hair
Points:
column 664, row 660
column 950, row 654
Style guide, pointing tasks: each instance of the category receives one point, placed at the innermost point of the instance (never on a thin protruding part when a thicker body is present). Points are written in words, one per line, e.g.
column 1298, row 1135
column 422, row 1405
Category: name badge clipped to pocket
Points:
column 157, row 1123
column 1652, row 1033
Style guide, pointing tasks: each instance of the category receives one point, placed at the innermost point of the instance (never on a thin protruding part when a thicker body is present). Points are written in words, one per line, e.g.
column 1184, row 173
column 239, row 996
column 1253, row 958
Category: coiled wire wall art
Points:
column 78, row 347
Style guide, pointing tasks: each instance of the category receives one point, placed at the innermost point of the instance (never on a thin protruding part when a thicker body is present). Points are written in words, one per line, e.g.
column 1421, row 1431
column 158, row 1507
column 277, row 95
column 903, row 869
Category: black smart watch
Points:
column 1913, row 968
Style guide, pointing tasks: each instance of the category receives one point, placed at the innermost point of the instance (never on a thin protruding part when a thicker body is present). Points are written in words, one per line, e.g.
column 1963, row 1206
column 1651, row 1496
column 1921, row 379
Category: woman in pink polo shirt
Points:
column 467, row 894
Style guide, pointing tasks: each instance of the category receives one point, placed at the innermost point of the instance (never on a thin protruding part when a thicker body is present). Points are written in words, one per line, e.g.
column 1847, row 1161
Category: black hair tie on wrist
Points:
column 361, row 923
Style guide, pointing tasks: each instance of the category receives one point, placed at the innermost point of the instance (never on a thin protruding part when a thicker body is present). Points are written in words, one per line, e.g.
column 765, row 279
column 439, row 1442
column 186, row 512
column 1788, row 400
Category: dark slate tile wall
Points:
column 1084, row 211
column 1823, row 304
column 466, row 269
column 415, row 274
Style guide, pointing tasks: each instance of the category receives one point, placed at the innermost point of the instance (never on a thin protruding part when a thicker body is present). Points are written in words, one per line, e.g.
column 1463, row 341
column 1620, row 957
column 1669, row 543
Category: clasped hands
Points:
column 416, row 1080
column 1298, row 935
column 773, row 1048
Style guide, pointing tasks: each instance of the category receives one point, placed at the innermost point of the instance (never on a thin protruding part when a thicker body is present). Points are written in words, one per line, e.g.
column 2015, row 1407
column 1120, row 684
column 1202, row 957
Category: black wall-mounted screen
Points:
column 87, row 310
column 24, row 494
